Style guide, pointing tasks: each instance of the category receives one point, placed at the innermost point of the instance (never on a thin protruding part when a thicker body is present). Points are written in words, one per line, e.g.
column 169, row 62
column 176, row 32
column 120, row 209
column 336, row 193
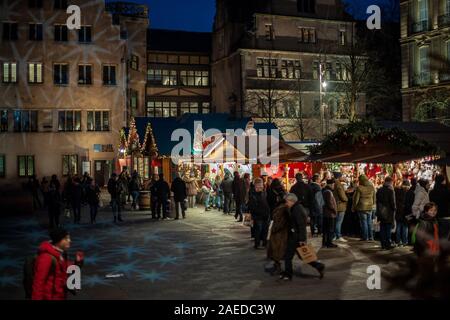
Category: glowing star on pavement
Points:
column 153, row 276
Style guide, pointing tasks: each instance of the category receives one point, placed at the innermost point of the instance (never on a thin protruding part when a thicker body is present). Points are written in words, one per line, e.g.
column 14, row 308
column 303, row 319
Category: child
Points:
column 425, row 236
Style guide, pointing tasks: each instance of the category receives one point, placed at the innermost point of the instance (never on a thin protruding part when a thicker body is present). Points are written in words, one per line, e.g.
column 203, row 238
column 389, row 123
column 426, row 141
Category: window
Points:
column 35, row 31
column 69, row 120
column 2, row 165
column 61, row 32
column 9, row 72
column 169, row 78
column 109, row 75
column 423, row 11
column 269, row 32
column 133, row 102
column 424, row 65
column 84, row 34
column 307, row 35
column 306, row 6
column 194, row 78
column 154, row 75
column 158, row 109
column 25, row 165
column 3, row 120
column 70, row 164
column 84, row 74
column 60, row 4
column 37, row 4
column 60, row 73
column 266, row 68
column 98, row 120
column 328, row 70
column 339, row 75
column 316, row 70
column 189, row 107
column 206, row 107
column 447, row 7
column 134, row 62
column 342, row 37
column 25, row 121
column 290, row 69
column 10, row 31
column 35, row 73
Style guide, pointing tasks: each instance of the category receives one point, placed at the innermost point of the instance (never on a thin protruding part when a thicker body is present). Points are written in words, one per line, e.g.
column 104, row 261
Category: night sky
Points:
column 198, row 15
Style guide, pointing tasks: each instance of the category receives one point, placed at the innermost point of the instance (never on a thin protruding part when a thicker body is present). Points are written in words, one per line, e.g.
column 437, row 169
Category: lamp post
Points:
column 322, row 87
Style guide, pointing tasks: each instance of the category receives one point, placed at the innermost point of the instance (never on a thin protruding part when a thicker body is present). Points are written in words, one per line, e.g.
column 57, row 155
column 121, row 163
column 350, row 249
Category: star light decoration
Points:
column 164, row 260
column 128, row 251
column 153, row 276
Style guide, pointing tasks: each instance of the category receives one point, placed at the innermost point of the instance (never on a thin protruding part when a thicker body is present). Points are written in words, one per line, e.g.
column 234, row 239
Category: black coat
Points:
column 162, row 189
column 298, row 220
column 113, row 188
column 258, row 206
column 303, row 193
column 400, row 202
column 179, row 189
column 275, row 197
column 441, row 196
column 386, row 204
column 93, row 195
column 409, row 201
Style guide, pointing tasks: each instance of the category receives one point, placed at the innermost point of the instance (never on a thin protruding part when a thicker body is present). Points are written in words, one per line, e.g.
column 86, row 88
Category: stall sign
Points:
column 103, row 148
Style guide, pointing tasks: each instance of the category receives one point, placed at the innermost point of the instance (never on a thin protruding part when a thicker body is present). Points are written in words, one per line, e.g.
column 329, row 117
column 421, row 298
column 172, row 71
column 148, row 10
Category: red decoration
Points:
column 213, row 170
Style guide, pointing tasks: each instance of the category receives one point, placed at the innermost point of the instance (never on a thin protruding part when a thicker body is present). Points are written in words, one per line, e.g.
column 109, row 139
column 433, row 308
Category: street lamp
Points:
column 322, row 86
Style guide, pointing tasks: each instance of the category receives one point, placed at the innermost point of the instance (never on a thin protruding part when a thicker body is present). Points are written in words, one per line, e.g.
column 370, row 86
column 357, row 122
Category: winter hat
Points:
column 56, row 235
column 337, row 175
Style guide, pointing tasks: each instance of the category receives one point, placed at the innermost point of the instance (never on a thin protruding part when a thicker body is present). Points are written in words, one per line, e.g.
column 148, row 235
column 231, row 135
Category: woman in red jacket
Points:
column 50, row 268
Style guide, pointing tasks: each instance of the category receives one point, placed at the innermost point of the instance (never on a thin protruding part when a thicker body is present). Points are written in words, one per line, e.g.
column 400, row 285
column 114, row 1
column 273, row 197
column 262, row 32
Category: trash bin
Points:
column 144, row 200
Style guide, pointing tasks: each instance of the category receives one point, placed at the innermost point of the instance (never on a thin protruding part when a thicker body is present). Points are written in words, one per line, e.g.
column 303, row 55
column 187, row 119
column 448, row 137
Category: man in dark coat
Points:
column 54, row 202
column 441, row 196
column 238, row 195
column 114, row 189
column 260, row 211
column 302, row 191
column 227, row 188
column 386, row 208
column 162, row 196
column 400, row 219
column 179, row 195
column 297, row 236
column 77, row 195
column 329, row 215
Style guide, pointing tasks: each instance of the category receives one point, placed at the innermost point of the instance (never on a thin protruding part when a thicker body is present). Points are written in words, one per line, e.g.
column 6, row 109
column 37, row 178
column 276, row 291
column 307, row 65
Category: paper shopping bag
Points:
column 307, row 253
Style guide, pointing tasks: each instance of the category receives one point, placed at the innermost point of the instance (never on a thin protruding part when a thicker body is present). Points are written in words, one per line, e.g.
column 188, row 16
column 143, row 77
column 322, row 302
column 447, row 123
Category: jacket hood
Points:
column 47, row 247
column 364, row 181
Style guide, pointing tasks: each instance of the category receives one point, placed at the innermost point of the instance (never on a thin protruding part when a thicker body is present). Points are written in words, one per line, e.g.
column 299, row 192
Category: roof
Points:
column 180, row 41
column 164, row 127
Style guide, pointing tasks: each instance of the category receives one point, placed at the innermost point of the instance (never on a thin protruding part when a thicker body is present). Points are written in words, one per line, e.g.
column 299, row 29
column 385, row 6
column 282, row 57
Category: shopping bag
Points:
column 247, row 221
column 376, row 225
column 67, row 213
column 269, row 232
column 100, row 204
column 307, row 253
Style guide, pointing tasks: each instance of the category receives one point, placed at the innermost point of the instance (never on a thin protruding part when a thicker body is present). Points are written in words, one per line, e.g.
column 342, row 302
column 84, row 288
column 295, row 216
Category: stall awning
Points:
column 364, row 157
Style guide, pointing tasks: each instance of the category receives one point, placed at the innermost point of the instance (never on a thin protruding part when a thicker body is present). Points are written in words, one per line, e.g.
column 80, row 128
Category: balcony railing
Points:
column 444, row 20
column 420, row 27
column 127, row 9
column 422, row 79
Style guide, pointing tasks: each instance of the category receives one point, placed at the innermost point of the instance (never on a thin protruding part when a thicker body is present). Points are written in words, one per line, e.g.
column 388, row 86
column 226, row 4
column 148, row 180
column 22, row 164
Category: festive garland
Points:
column 153, row 147
column 362, row 132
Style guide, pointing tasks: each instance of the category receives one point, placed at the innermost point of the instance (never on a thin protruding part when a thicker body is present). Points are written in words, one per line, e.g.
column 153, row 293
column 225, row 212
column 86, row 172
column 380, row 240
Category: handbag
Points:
column 247, row 221
column 307, row 253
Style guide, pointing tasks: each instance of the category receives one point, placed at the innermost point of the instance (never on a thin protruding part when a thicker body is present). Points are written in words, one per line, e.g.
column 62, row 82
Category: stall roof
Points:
column 163, row 127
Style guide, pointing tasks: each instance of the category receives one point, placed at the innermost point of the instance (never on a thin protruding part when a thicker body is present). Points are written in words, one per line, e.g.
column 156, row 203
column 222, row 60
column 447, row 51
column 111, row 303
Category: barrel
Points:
column 144, row 200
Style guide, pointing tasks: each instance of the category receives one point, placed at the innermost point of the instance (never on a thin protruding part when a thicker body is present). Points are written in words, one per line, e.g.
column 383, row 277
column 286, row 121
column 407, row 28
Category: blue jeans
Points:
column 260, row 229
column 316, row 224
column 135, row 196
column 339, row 220
column 218, row 200
column 365, row 219
column 207, row 197
column 385, row 234
column 115, row 205
column 402, row 233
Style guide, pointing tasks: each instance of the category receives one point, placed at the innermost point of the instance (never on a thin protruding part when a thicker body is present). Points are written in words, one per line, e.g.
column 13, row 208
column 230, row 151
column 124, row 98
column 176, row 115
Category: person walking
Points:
column 218, row 193
column 318, row 202
column 206, row 190
column 246, row 187
column 329, row 214
column 400, row 218
column 134, row 188
column 277, row 244
column 45, row 184
column 260, row 211
column 50, row 267
column 421, row 198
column 77, row 194
column 275, row 194
column 54, row 202
column 364, row 200
column 297, row 236
column 162, row 195
column 341, row 204
column 114, row 189
column 179, row 195
column 227, row 188
column 124, row 182
column 192, row 189
column 93, row 199
column 441, row 196
column 237, row 194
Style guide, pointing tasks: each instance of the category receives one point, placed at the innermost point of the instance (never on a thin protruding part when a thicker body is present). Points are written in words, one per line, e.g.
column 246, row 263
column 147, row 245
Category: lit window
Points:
column 35, row 73
column 70, row 164
column 98, row 121
column 9, row 72
column 25, row 121
column 25, row 165
column 69, row 120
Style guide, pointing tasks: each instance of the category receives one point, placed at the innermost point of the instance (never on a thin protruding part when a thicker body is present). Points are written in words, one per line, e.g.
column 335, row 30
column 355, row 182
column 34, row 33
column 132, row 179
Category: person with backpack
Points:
column 329, row 215
column 260, row 211
column 364, row 200
column 48, row 277
column 316, row 211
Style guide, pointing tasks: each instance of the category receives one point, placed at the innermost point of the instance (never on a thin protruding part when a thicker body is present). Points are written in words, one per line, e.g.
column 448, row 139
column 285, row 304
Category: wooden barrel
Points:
column 144, row 200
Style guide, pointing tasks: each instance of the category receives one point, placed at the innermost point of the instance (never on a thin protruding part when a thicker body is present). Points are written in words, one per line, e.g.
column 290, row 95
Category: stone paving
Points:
column 205, row 256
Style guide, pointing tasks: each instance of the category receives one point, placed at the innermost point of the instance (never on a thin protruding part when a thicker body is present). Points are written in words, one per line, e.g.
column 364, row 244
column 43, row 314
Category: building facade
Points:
column 178, row 73
column 425, row 42
column 65, row 94
column 284, row 61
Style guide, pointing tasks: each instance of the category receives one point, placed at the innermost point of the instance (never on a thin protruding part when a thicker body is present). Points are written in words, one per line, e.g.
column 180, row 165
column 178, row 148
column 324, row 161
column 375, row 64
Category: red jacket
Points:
column 48, row 285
